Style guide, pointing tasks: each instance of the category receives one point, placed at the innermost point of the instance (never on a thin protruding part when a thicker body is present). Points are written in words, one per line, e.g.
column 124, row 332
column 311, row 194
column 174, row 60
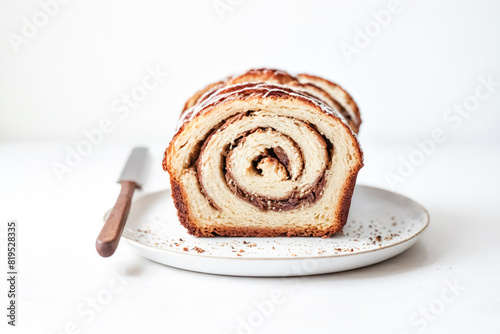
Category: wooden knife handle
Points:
column 108, row 239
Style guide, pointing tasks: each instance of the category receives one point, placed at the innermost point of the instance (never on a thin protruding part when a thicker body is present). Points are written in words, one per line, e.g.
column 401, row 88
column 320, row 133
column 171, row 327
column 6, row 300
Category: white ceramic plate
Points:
column 381, row 224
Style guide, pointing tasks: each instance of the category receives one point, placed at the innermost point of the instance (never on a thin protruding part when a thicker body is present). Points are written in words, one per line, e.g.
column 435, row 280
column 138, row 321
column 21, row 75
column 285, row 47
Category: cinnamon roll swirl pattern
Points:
column 265, row 154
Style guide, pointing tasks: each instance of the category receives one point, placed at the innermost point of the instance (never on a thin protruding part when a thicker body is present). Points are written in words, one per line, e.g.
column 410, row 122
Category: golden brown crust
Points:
column 256, row 90
column 180, row 201
column 264, row 75
column 275, row 76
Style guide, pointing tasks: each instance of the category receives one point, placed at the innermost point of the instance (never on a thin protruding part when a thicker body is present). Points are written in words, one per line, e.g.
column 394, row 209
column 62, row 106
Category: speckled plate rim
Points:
column 413, row 236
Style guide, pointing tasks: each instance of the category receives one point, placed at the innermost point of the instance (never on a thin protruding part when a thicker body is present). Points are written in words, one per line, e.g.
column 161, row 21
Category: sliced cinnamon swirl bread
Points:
column 265, row 154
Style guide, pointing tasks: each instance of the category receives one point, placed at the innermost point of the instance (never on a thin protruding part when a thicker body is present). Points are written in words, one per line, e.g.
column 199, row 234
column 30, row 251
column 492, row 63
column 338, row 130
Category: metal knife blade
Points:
column 134, row 168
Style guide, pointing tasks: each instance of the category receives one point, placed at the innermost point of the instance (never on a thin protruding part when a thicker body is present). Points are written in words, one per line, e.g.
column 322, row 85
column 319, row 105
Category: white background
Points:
column 65, row 78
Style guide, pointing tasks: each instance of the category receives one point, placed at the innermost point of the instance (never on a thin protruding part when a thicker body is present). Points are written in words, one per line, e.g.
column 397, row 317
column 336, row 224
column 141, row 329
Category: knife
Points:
column 130, row 179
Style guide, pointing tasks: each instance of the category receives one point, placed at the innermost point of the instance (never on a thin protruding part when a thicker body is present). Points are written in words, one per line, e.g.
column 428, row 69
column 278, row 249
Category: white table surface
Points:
column 60, row 271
